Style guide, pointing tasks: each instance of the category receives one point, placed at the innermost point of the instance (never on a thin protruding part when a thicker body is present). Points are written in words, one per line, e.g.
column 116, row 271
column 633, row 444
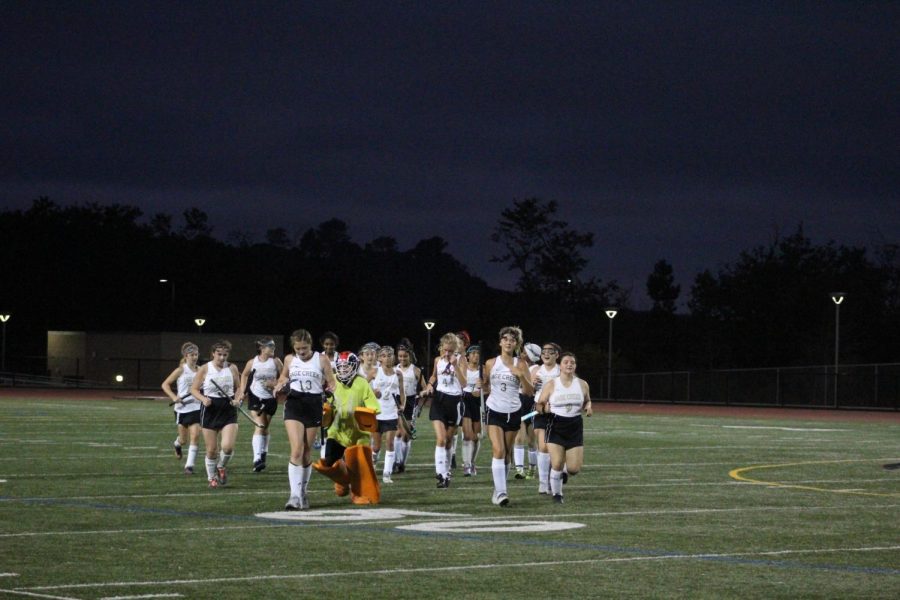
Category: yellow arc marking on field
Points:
column 738, row 475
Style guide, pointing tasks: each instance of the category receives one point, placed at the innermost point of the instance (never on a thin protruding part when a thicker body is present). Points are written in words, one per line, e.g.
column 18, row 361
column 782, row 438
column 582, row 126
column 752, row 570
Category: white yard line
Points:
column 34, row 595
column 633, row 513
column 174, row 595
column 469, row 567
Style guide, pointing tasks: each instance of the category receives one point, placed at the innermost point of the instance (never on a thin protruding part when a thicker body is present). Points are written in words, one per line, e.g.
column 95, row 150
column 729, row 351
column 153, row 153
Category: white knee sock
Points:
column 498, row 470
column 224, row 458
column 389, row 458
column 453, row 445
column 406, row 448
column 265, row 447
column 398, row 450
column 294, row 476
column 305, row 474
column 210, row 468
column 192, row 455
column 532, row 457
column 258, row 443
column 440, row 460
column 519, row 455
column 475, row 449
column 555, row 482
column 468, row 450
column 543, row 461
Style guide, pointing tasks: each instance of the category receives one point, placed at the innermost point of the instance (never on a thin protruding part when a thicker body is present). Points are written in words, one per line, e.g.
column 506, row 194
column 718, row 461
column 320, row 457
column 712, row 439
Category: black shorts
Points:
column 306, row 408
column 505, row 421
column 471, row 406
column 411, row 402
column 218, row 414
column 387, row 425
column 262, row 405
column 527, row 403
column 187, row 419
column 540, row 421
column 446, row 408
column 567, row 432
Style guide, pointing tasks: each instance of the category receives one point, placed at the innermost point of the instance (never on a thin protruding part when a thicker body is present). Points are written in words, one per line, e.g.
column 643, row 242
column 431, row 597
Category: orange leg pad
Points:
column 364, row 485
column 337, row 473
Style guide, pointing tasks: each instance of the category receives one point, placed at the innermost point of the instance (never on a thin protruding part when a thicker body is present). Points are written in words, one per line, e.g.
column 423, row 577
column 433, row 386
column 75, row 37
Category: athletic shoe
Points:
column 443, row 482
column 543, row 489
column 474, row 470
column 262, row 459
column 258, row 465
column 401, row 467
column 396, row 468
column 467, row 471
column 189, row 470
column 387, row 478
column 213, row 483
column 530, row 473
column 453, row 462
column 446, row 483
column 222, row 475
column 520, row 472
column 565, row 478
column 557, row 498
column 500, row 499
column 177, row 447
column 304, row 502
column 293, row 503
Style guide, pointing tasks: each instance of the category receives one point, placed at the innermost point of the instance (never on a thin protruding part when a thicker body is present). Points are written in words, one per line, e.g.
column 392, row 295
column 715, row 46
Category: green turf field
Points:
column 93, row 504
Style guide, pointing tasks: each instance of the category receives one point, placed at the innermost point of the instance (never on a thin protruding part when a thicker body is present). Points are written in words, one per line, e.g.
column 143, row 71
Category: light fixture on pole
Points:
column 171, row 311
column 838, row 299
column 429, row 325
column 611, row 314
column 4, row 318
column 200, row 321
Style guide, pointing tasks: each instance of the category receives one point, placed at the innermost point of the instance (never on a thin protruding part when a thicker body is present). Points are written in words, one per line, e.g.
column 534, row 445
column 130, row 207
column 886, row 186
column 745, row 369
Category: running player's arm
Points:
column 285, row 372
column 196, row 387
column 486, row 381
column 462, row 368
column 587, row 406
column 238, row 393
column 543, row 403
column 330, row 382
column 245, row 375
column 169, row 382
column 432, row 381
column 402, row 390
column 525, row 378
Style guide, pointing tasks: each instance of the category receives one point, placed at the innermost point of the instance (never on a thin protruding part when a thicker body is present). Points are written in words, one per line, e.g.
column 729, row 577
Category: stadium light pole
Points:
column 4, row 318
column 200, row 321
column 429, row 325
column 611, row 313
column 838, row 299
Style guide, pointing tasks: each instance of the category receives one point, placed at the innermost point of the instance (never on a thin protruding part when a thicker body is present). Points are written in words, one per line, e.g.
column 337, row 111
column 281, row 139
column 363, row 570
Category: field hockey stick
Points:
column 403, row 420
column 530, row 415
column 239, row 407
column 182, row 400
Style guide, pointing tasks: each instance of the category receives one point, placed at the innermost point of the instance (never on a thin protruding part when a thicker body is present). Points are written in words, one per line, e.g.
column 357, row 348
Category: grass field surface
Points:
column 93, row 504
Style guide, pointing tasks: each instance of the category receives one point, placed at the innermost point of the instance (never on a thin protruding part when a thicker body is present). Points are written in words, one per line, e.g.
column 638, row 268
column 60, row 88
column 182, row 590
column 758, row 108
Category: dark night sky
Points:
column 685, row 131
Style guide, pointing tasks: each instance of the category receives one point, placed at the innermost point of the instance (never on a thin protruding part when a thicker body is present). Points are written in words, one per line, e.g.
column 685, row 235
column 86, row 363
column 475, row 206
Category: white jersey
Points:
column 447, row 381
column 389, row 386
column 410, row 382
column 505, row 387
column 183, row 385
column 263, row 371
column 472, row 376
column 545, row 376
column 306, row 376
column 566, row 401
column 223, row 377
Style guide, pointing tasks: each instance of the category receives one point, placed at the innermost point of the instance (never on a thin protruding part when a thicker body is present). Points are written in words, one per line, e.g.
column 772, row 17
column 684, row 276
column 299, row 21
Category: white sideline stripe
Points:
column 174, row 595
column 9, row 574
column 631, row 513
column 33, row 595
column 779, row 428
column 520, row 565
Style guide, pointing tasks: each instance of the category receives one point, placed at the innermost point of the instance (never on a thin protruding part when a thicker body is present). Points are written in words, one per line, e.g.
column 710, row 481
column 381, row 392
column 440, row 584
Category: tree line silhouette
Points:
column 98, row 268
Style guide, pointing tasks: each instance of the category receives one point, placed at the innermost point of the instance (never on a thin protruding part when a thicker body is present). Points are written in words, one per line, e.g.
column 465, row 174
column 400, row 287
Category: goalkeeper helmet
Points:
column 346, row 366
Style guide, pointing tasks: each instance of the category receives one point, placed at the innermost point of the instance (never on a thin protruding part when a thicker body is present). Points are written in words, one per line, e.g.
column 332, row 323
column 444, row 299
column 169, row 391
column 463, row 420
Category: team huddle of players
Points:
column 359, row 410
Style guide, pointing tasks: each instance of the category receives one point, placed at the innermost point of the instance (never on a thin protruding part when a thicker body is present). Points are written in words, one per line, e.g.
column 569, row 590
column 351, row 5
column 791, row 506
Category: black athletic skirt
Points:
column 218, row 414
